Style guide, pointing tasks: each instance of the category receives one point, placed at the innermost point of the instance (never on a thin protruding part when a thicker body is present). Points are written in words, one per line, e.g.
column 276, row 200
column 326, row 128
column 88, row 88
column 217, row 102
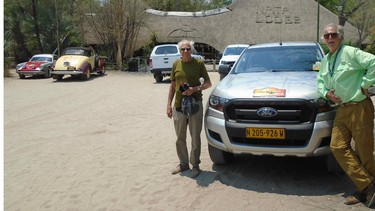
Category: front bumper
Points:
column 30, row 72
column 66, row 72
column 316, row 145
column 161, row 71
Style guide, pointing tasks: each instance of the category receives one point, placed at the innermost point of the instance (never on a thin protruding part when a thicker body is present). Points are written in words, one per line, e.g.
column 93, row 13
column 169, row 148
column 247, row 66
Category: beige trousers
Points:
column 355, row 121
column 195, row 122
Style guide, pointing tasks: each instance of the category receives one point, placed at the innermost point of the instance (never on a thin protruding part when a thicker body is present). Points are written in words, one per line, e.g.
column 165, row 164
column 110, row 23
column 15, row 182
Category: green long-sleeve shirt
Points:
column 352, row 70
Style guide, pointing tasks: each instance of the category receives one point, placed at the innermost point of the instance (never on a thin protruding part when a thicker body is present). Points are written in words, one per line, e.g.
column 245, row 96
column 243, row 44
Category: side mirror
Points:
column 224, row 69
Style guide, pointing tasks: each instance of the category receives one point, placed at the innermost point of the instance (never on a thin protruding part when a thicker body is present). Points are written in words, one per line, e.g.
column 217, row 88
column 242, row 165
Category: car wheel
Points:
column 332, row 165
column 87, row 75
column 219, row 156
column 47, row 73
column 102, row 72
column 57, row 77
column 158, row 78
column 21, row 76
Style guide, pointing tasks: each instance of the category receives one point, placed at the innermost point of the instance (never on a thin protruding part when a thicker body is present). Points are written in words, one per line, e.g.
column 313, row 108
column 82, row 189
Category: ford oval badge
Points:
column 267, row 112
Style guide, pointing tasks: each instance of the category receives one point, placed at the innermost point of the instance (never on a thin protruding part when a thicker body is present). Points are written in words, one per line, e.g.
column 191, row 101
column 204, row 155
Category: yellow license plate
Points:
column 268, row 133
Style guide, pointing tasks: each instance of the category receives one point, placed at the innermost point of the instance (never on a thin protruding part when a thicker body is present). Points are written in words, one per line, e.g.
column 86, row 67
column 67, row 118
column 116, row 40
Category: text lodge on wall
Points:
column 277, row 15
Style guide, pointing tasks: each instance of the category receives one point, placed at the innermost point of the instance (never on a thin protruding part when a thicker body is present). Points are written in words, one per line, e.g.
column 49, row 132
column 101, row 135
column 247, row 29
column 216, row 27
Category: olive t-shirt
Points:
column 188, row 72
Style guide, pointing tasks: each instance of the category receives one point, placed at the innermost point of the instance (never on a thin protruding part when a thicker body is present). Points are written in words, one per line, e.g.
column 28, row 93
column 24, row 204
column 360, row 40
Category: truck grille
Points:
column 295, row 116
column 289, row 111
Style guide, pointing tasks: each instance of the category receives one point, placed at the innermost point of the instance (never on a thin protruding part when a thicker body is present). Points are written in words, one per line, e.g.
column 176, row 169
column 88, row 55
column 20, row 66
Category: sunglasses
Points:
column 185, row 49
column 332, row 35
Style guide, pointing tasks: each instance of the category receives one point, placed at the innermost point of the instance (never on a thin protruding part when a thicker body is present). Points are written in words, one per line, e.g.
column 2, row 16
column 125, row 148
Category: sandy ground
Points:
column 106, row 144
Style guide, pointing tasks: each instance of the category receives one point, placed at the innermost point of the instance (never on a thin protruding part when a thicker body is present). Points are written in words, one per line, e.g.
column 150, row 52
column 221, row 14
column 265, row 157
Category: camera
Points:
column 184, row 87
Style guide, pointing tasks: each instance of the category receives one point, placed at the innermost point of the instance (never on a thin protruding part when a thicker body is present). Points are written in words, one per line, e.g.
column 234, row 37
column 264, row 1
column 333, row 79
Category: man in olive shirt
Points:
column 188, row 71
column 344, row 78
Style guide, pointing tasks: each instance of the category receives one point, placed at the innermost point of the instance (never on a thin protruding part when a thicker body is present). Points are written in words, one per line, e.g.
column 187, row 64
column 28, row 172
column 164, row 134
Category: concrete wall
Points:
column 244, row 21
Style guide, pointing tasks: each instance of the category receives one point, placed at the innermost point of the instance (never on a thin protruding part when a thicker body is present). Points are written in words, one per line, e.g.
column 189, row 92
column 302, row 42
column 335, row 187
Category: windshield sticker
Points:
column 269, row 92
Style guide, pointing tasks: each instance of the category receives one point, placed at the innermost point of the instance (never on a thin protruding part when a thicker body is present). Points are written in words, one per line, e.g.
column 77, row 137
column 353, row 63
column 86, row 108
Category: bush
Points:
column 8, row 64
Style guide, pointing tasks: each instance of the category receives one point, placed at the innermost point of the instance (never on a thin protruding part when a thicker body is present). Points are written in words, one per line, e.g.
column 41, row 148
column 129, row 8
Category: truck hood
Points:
column 299, row 84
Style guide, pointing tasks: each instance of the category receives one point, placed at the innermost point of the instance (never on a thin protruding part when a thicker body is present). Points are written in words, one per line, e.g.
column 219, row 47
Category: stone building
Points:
column 244, row 21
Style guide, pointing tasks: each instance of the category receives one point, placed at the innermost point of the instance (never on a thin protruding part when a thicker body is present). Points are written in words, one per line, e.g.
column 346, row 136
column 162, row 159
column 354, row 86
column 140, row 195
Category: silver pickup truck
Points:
column 162, row 58
column 268, row 104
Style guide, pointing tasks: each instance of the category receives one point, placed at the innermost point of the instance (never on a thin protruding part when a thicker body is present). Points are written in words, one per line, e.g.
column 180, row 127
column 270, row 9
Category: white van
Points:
column 162, row 58
column 230, row 55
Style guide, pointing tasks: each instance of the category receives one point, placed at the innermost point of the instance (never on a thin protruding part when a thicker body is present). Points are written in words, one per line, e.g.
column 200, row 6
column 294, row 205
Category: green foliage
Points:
column 22, row 38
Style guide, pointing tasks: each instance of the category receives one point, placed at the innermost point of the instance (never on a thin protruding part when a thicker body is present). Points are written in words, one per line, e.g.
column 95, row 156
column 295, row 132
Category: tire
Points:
column 333, row 166
column 58, row 77
column 158, row 78
column 219, row 156
column 87, row 75
column 102, row 72
column 21, row 76
column 47, row 73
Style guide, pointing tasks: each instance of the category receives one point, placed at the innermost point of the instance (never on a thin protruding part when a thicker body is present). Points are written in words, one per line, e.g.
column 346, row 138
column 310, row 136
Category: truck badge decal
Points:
column 267, row 112
column 269, row 92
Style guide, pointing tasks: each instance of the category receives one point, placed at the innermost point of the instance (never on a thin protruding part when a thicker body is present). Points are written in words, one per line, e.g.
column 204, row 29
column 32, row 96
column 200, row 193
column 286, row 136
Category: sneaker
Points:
column 370, row 194
column 355, row 198
column 180, row 168
column 195, row 172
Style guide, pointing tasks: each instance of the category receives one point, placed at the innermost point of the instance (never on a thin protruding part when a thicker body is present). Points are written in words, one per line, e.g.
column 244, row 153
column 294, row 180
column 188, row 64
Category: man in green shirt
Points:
column 345, row 75
column 187, row 71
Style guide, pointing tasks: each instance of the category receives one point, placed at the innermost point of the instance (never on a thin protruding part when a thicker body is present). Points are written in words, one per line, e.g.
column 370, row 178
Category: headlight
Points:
column 19, row 66
column 322, row 105
column 217, row 103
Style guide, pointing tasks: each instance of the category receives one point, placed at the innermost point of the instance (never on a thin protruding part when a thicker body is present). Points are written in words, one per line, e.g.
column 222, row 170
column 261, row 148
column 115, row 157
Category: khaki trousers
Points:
column 355, row 121
column 195, row 123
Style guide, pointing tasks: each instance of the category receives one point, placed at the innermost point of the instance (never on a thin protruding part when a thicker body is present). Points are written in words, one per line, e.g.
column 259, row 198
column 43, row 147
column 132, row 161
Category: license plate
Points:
column 268, row 133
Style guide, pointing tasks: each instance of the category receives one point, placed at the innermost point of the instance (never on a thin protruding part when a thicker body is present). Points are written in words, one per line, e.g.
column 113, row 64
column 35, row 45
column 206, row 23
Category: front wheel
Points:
column 47, row 73
column 21, row 76
column 158, row 78
column 86, row 75
column 58, row 77
column 219, row 156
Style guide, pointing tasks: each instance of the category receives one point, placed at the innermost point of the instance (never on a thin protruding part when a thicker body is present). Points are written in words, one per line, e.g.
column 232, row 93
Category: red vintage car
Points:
column 39, row 64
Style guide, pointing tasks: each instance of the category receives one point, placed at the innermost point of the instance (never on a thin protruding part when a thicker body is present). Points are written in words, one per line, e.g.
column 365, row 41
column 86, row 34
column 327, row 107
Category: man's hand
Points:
column 366, row 92
column 189, row 91
column 331, row 95
column 169, row 112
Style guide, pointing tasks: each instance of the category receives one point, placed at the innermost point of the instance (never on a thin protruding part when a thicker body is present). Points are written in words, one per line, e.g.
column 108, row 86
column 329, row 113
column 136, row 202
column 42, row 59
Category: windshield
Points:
column 76, row 51
column 280, row 58
column 233, row 51
column 41, row 59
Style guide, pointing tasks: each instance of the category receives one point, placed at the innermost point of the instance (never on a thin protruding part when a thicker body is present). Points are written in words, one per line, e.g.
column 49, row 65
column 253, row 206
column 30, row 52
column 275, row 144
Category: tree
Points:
column 360, row 13
column 31, row 26
column 117, row 23
column 364, row 19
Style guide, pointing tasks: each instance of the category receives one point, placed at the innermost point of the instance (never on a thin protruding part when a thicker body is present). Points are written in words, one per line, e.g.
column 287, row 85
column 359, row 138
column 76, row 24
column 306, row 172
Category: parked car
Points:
column 80, row 62
column 39, row 64
column 230, row 55
column 162, row 58
column 268, row 104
